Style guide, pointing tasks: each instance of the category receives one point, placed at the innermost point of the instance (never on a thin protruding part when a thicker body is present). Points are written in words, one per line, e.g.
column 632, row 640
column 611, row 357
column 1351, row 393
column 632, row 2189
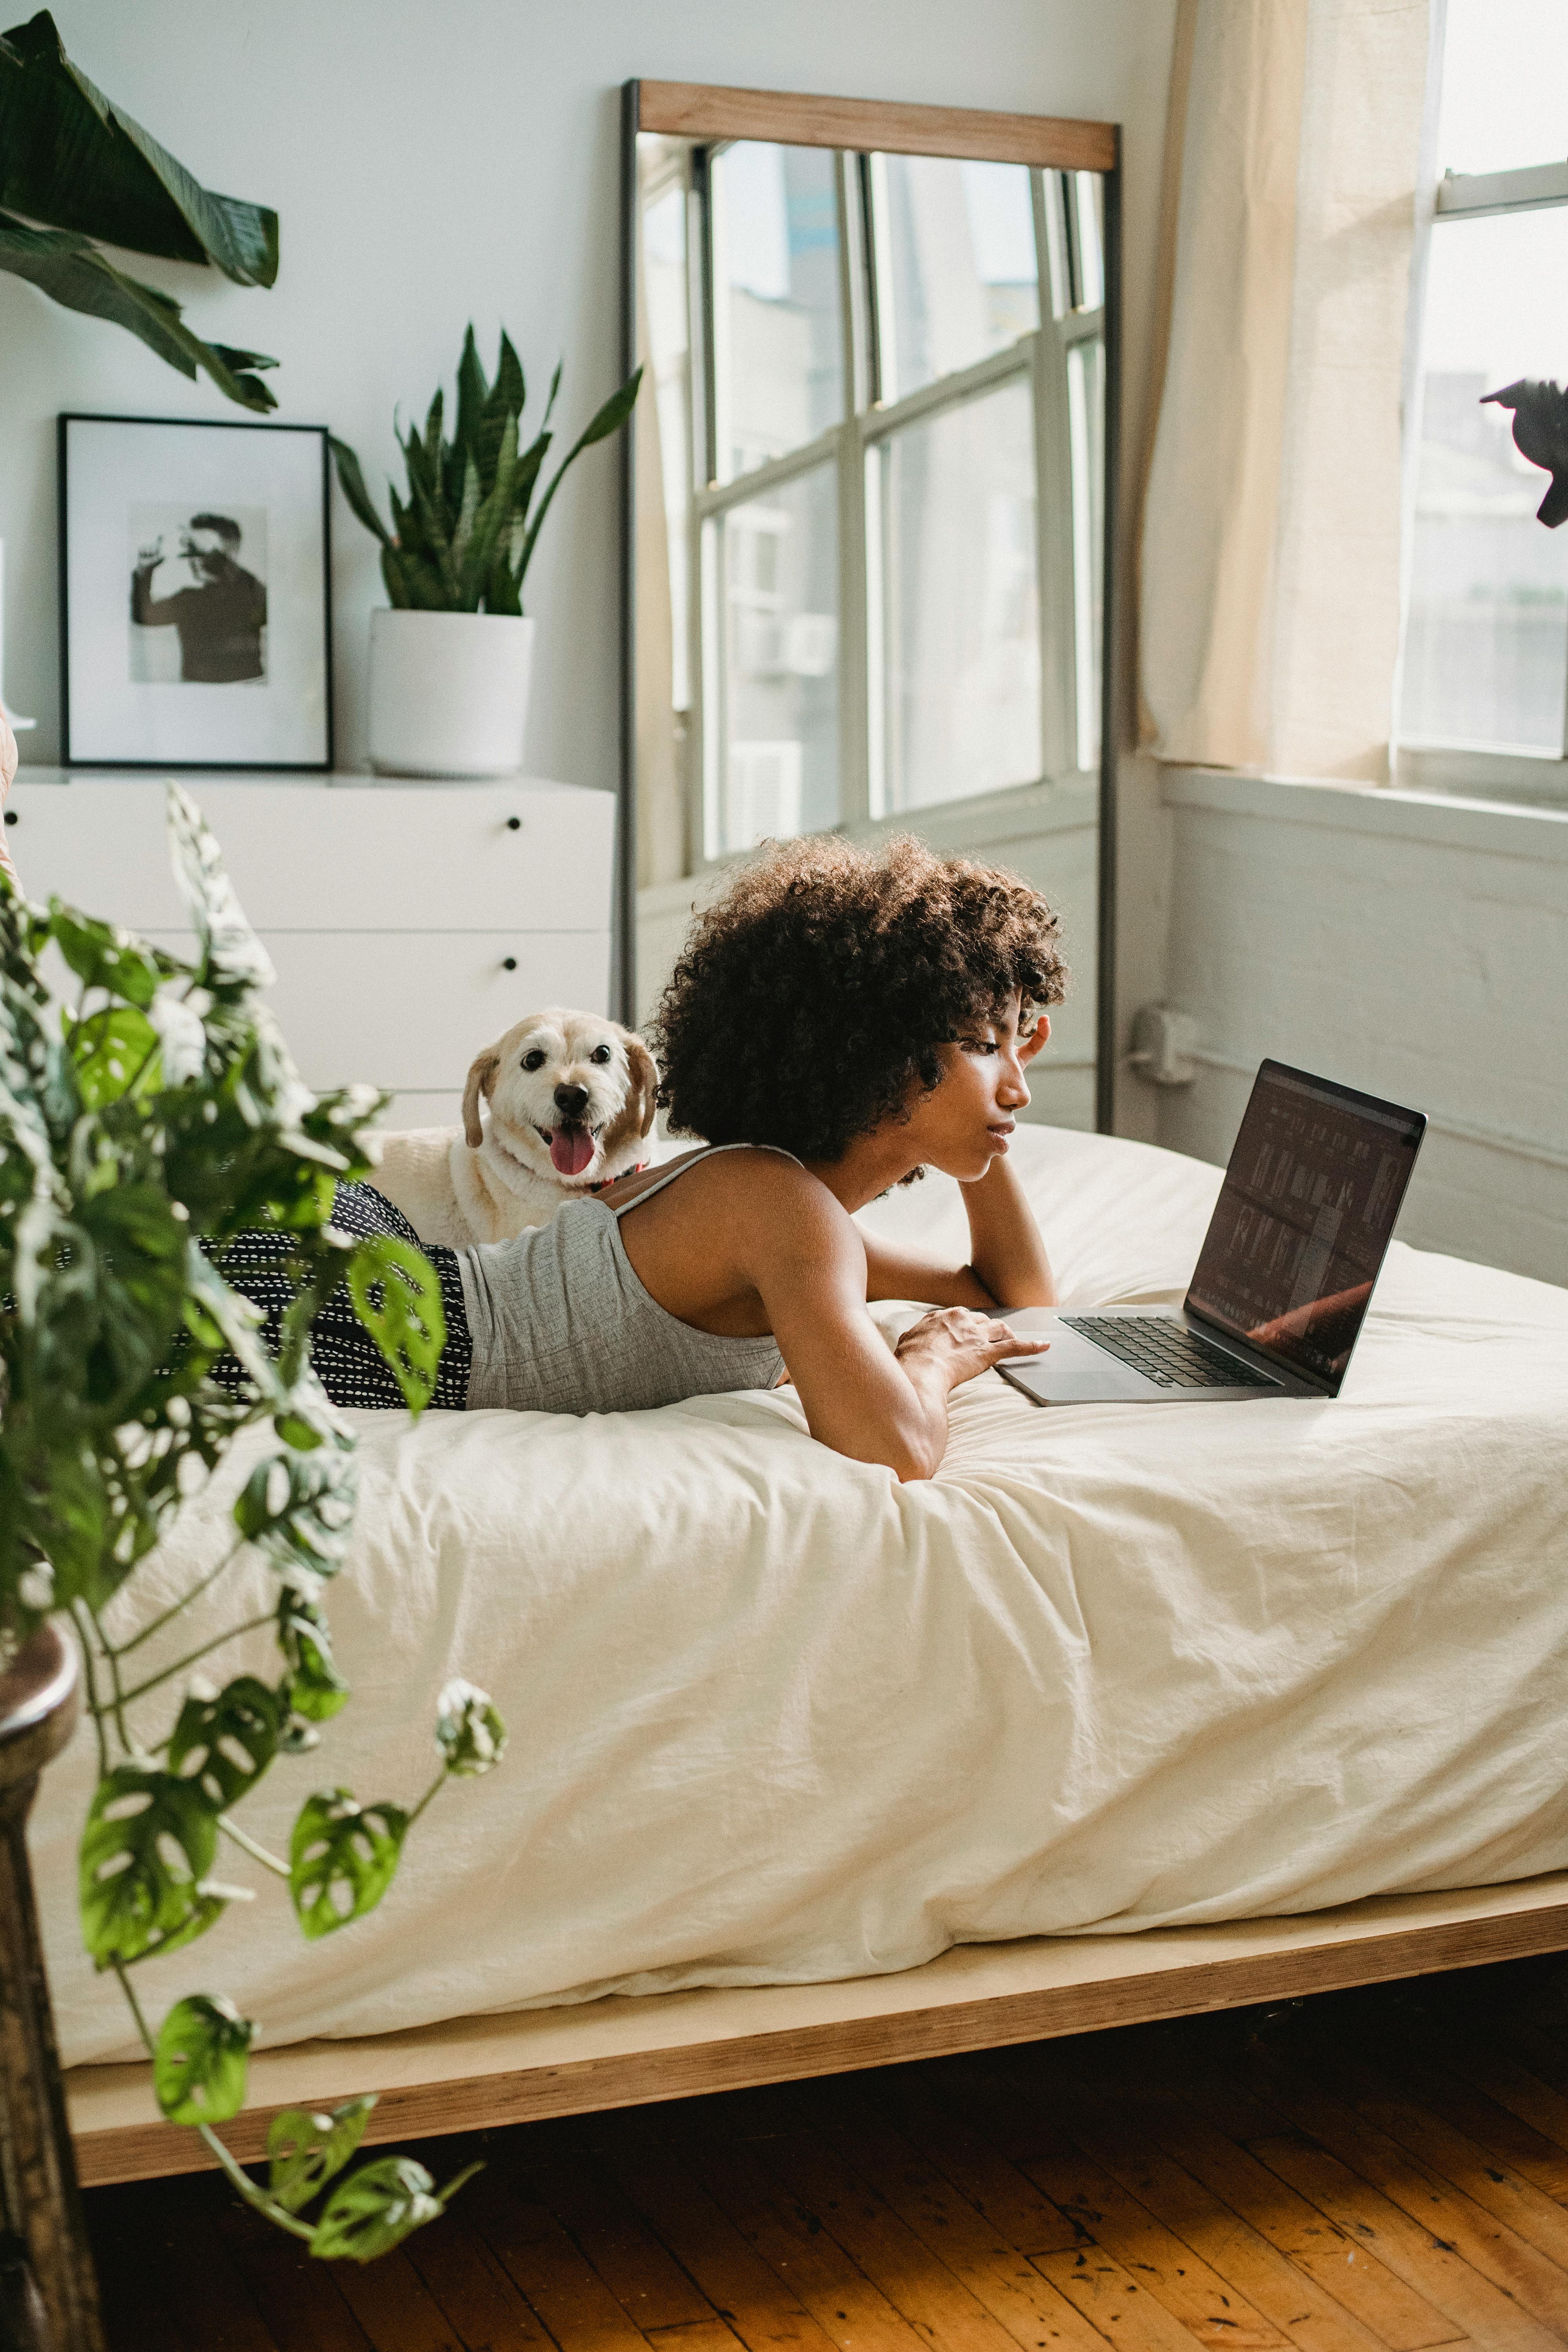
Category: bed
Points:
column 1132, row 1709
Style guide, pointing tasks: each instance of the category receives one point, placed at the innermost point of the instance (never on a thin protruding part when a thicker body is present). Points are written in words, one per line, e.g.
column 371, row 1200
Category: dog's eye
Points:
column 533, row 1061
column 600, row 1054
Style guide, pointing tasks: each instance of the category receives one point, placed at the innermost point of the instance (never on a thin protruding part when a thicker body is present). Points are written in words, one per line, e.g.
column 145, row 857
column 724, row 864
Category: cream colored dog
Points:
column 571, row 1098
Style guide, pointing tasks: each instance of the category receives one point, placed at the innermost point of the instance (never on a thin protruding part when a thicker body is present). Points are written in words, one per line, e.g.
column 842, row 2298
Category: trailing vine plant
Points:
column 142, row 1128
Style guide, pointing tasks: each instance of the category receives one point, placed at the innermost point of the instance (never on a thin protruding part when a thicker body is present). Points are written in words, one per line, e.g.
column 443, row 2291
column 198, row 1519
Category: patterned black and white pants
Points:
column 352, row 1368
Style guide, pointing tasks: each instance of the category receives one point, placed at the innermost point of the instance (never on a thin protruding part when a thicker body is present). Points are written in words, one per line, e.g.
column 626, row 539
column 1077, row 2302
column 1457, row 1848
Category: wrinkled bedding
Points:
column 775, row 1717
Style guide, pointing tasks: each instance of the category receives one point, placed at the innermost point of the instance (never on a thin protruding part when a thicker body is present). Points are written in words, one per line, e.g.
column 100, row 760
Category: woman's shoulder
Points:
column 740, row 1175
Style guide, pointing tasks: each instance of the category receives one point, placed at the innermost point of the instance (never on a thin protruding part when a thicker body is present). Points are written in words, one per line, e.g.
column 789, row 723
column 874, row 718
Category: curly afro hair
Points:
column 810, row 1002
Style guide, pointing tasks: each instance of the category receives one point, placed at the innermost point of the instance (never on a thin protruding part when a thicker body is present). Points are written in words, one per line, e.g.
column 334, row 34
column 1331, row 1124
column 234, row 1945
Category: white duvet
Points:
column 775, row 1717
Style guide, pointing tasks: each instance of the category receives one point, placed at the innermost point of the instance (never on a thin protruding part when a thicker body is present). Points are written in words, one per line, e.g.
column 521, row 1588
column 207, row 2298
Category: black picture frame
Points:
column 300, row 741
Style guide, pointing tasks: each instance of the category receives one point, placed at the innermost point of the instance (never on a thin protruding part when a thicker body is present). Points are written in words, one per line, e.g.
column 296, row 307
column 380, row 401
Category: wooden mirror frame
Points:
column 704, row 113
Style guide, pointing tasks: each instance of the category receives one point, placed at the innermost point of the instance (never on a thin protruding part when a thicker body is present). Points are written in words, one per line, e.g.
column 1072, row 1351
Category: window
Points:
column 880, row 389
column 1484, row 694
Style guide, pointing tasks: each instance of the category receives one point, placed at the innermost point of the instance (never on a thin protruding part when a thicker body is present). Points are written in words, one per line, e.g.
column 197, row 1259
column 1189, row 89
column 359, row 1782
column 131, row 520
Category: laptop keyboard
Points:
column 1168, row 1353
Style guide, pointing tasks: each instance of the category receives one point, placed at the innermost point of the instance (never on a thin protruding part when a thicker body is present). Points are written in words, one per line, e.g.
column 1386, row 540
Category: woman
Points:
column 838, row 1022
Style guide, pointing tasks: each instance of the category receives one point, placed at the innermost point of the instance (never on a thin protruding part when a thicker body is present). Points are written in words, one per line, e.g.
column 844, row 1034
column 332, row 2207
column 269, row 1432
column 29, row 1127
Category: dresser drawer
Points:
column 340, row 857
column 410, row 1010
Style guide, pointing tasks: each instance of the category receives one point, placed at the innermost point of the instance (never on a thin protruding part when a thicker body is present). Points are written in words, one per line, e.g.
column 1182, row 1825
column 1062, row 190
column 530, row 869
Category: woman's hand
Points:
column 957, row 1344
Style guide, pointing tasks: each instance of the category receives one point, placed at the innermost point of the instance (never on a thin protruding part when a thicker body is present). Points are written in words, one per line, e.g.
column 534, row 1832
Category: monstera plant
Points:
column 144, row 1125
column 77, row 164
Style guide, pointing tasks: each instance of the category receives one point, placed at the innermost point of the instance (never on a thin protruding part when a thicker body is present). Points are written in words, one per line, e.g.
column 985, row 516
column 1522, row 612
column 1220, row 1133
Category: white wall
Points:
column 435, row 162
column 1414, row 947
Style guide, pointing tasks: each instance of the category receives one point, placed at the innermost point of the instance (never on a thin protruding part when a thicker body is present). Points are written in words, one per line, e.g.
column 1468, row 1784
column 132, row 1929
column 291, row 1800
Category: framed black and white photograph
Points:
column 196, row 623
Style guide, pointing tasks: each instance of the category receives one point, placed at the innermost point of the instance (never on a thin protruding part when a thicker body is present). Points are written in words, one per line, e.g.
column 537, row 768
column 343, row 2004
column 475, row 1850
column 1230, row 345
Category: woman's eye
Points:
column 534, row 1061
column 600, row 1054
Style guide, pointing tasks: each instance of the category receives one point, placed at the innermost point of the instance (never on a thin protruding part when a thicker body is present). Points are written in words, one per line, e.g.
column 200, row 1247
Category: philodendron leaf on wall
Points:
column 74, row 161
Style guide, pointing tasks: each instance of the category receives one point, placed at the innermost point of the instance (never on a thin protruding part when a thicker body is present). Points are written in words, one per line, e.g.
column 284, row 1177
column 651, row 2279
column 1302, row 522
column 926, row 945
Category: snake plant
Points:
column 461, row 540
column 76, row 162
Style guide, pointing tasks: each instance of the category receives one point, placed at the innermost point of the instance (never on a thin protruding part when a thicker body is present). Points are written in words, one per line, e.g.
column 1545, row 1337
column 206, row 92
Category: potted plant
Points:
column 450, row 660
column 142, row 1128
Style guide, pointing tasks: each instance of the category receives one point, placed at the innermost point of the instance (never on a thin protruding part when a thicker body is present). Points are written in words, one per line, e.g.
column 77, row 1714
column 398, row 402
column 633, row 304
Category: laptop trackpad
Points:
column 1074, row 1371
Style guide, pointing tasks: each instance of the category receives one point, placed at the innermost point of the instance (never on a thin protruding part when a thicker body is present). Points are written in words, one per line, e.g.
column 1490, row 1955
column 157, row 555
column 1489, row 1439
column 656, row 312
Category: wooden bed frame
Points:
column 613, row 2053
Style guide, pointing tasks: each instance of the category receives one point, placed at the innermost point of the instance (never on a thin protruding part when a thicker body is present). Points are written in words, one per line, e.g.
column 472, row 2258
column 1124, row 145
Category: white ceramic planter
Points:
column 448, row 692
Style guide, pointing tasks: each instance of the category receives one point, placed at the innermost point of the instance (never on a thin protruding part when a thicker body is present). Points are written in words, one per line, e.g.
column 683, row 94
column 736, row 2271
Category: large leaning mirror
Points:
column 867, row 574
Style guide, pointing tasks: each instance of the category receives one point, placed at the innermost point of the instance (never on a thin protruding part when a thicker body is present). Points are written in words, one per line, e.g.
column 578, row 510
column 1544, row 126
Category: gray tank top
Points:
column 560, row 1323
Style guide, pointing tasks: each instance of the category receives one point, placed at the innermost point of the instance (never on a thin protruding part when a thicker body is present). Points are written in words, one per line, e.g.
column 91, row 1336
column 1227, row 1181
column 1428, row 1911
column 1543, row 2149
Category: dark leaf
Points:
column 472, row 394
column 225, row 1744
column 610, row 419
column 312, row 1687
column 139, row 1244
column 397, row 1297
column 73, row 272
column 200, row 2062
column 145, row 1854
column 70, row 157
column 343, row 1857
column 304, row 2149
column 374, row 2209
column 350, row 481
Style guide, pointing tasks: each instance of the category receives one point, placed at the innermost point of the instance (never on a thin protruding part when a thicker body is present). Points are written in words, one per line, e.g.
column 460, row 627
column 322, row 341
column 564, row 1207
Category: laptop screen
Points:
column 1304, row 1218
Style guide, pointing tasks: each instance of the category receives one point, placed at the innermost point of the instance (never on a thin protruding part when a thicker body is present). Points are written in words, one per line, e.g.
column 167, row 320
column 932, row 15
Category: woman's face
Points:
column 962, row 1126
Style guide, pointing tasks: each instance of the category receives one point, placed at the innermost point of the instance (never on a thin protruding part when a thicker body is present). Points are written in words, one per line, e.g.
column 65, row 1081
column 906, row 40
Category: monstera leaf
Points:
column 200, row 2063
column 145, row 1852
column 73, row 161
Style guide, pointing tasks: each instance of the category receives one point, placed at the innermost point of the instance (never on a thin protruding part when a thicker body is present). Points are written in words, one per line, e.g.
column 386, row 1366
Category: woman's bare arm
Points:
column 811, row 1271
column 1008, row 1264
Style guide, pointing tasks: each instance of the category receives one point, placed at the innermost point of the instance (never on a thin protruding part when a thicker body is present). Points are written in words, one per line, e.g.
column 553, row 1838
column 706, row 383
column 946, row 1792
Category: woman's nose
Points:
column 1014, row 1089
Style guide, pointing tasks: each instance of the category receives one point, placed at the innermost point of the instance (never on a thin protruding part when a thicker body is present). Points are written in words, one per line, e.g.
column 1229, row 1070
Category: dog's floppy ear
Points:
column 481, row 1078
column 644, row 1080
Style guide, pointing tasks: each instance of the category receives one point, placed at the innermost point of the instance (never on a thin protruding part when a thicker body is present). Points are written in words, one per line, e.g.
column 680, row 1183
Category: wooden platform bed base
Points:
column 619, row 2052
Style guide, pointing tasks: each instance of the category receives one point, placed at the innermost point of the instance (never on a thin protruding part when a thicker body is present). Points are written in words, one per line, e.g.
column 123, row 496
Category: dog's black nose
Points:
column 570, row 1101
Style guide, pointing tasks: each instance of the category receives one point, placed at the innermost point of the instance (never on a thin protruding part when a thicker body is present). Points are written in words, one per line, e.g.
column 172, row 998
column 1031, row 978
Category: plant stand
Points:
column 48, row 2293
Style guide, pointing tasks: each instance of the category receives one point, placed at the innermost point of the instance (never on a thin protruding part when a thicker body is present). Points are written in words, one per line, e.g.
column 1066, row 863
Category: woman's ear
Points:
column 1031, row 1044
column 644, row 1080
column 481, row 1078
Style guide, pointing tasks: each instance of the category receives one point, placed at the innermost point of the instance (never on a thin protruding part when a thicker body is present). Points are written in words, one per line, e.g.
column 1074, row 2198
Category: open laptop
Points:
column 1298, row 1237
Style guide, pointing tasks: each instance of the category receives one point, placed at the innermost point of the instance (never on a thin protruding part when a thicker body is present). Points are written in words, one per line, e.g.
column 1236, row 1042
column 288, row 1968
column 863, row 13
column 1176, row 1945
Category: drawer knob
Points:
column 509, row 963
column 11, row 817
column 515, row 824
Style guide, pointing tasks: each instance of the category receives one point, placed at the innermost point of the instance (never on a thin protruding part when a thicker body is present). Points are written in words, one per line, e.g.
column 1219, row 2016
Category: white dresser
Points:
column 410, row 924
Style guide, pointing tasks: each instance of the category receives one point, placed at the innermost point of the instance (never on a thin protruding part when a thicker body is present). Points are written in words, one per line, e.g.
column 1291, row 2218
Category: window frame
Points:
column 1478, row 771
column 852, row 447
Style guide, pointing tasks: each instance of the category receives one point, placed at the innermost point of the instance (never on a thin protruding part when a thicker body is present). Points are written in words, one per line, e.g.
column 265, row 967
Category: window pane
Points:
column 778, row 327
column 1505, row 85
column 959, row 624
column 778, row 772
column 957, row 277
column 1485, row 651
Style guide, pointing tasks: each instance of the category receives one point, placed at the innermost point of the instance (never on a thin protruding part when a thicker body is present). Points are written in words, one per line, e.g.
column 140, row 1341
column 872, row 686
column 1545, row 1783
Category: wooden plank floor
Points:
column 1373, row 2171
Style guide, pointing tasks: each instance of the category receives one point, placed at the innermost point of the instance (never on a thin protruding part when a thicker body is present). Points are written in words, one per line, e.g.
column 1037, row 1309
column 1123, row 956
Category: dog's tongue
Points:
column 571, row 1148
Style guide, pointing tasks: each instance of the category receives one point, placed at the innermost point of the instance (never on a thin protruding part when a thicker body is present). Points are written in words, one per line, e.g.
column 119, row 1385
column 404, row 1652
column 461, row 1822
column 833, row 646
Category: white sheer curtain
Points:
column 1270, row 560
